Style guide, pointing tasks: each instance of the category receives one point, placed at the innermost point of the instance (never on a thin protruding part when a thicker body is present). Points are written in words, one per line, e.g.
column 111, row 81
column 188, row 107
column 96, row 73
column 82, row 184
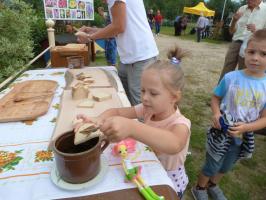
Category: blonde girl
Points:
column 164, row 129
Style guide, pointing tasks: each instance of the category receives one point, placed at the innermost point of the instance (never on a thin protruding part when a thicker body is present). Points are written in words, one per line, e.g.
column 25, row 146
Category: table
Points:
column 27, row 175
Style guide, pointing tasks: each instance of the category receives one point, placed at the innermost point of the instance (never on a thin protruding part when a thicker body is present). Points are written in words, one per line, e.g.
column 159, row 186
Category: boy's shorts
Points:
column 225, row 164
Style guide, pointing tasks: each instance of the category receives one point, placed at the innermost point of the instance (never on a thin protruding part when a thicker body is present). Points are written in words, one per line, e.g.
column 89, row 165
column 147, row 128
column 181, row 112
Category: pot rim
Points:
column 73, row 154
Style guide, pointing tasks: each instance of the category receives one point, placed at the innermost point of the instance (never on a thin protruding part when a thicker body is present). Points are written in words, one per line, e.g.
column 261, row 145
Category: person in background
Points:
column 150, row 17
column 135, row 42
column 158, row 22
column 184, row 23
column 200, row 26
column 246, row 20
column 165, row 129
column 206, row 31
column 110, row 43
column 211, row 22
column 177, row 25
column 181, row 25
column 240, row 100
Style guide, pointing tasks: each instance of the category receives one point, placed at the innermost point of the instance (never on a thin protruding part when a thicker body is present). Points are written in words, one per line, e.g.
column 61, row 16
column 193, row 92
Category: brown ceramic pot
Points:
column 78, row 163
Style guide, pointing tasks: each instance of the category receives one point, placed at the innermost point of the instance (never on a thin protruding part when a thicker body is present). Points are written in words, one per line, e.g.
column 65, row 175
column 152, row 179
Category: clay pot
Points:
column 78, row 163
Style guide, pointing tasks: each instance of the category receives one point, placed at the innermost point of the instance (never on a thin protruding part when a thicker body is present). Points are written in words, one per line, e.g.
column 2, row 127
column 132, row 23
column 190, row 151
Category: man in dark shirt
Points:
column 150, row 17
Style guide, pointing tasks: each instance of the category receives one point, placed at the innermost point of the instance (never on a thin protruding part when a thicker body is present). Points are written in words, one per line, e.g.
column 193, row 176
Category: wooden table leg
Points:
column 93, row 54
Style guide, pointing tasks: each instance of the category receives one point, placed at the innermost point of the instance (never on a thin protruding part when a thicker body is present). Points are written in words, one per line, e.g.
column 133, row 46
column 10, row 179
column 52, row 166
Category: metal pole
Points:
column 223, row 10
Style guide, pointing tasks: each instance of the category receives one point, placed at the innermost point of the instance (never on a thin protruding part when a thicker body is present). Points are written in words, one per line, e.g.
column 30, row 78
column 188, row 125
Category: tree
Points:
column 38, row 26
column 231, row 7
column 170, row 8
column 16, row 45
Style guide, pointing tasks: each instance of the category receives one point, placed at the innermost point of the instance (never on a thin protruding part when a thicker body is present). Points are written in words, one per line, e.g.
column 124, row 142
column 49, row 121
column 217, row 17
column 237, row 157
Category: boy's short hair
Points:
column 259, row 35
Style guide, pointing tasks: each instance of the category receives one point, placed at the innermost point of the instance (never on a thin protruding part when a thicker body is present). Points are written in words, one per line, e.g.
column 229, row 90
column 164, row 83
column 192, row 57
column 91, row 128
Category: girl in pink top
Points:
column 164, row 129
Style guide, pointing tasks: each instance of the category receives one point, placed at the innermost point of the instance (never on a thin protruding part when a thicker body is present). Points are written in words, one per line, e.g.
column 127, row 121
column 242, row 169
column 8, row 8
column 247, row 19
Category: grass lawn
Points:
column 167, row 30
column 248, row 179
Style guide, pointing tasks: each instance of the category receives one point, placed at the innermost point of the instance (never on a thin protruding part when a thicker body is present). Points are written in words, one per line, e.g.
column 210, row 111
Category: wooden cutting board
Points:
column 27, row 100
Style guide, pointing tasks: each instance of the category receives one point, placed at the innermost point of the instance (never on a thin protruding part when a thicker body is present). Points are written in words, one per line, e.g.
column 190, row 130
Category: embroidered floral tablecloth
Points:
column 25, row 162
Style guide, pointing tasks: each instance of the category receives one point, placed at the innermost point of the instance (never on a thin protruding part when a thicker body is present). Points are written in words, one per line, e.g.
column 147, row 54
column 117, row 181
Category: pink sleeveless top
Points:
column 170, row 162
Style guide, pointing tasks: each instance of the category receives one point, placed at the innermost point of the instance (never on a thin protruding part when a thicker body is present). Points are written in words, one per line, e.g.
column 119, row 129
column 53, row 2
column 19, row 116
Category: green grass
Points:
column 167, row 30
column 247, row 181
column 100, row 60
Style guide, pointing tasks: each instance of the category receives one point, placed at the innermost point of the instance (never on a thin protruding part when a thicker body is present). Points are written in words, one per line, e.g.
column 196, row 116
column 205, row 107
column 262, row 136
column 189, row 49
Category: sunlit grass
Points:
column 167, row 30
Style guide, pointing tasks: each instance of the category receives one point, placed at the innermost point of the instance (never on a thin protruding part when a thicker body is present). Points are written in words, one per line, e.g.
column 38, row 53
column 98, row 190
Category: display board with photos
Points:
column 69, row 9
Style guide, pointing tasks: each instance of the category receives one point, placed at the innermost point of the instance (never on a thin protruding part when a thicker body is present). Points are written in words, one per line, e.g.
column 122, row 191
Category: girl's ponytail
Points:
column 176, row 54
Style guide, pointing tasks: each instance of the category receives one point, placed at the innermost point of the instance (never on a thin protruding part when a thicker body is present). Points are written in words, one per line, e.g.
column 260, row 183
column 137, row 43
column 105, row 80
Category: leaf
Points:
column 56, row 106
column 53, row 120
column 18, row 151
column 24, row 75
column 57, row 73
column 29, row 122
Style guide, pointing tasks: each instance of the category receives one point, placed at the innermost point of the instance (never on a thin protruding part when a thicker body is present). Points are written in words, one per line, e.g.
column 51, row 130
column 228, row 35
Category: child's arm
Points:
column 215, row 106
column 128, row 112
column 168, row 141
column 241, row 127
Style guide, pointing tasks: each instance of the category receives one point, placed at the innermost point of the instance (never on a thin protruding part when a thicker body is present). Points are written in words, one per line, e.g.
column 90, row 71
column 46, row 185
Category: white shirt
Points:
column 257, row 17
column 136, row 43
column 201, row 22
column 207, row 22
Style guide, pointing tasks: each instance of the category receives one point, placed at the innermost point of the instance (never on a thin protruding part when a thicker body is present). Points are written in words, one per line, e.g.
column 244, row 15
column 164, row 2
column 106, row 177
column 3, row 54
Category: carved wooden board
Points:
column 27, row 100
column 100, row 77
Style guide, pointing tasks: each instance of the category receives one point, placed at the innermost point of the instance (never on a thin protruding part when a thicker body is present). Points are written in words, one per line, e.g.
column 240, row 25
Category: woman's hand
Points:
column 117, row 128
column 88, row 29
column 238, row 129
column 215, row 121
column 83, row 37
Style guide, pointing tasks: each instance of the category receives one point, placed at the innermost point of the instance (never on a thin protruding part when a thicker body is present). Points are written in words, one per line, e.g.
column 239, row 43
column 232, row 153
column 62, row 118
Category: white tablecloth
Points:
column 27, row 176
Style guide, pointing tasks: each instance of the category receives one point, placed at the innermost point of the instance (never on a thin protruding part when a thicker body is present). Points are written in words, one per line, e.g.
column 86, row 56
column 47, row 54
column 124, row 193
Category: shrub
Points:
column 98, row 21
column 39, row 32
column 16, row 19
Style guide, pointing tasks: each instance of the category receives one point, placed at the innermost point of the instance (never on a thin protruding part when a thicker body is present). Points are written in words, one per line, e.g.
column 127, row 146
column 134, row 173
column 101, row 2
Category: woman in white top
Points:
column 135, row 42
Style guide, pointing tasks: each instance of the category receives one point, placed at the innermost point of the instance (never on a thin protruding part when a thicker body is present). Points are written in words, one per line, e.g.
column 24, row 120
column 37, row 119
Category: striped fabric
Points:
column 218, row 143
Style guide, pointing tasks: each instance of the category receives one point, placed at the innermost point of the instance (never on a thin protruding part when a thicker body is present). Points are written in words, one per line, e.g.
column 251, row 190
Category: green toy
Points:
column 133, row 175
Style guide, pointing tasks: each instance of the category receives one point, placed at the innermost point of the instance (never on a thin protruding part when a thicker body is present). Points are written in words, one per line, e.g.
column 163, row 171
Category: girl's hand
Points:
column 238, row 129
column 215, row 121
column 116, row 128
column 86, row 119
